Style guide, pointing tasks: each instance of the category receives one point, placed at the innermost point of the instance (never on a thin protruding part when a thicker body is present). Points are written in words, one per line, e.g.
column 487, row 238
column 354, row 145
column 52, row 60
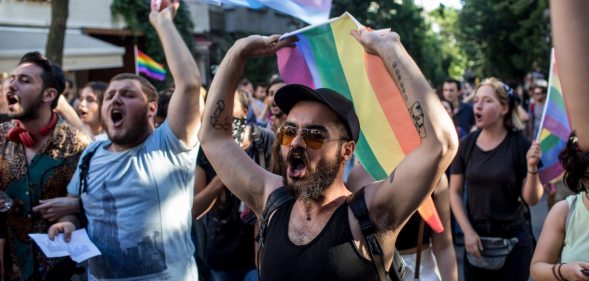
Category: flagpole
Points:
column 550, row 78
column 136, row 62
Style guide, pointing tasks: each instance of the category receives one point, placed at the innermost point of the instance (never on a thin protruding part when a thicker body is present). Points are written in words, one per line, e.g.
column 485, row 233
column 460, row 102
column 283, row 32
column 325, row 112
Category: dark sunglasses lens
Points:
column 288, row 134
column 313, row 138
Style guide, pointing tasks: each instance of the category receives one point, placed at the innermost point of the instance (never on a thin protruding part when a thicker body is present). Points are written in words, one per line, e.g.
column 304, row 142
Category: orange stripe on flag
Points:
column 392, row 104
column 428, row 212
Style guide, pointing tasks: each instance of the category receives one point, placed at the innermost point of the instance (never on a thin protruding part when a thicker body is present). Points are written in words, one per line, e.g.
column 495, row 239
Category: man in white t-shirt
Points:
column 137, row 193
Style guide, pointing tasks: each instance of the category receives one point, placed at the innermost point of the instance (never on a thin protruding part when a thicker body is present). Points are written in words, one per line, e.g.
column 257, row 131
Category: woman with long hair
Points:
column 499, row 167
column 89, row 108
column 565, row 235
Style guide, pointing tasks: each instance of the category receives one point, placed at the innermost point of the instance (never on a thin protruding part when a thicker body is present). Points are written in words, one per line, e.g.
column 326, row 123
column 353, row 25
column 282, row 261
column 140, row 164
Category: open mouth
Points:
column 117, row 117
column 297, row 165
column 11, row 99
column 83, row 114
column 478, row 116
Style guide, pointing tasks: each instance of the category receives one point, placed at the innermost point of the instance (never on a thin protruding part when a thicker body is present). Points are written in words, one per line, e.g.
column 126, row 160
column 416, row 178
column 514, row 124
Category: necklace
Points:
column 308, row 214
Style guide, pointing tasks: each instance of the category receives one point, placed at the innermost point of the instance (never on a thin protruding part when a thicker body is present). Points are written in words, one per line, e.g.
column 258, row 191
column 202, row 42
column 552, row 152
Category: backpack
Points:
column 281, row 196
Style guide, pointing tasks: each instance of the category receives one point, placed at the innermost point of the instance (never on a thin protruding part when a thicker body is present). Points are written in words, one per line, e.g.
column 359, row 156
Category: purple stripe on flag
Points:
column 305, row 46
column 150, row 74
column 293, row 68
column 549, row 173
column 556, row 127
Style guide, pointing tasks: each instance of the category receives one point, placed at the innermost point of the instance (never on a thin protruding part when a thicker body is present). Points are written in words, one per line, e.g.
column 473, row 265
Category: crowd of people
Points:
column 260, row 182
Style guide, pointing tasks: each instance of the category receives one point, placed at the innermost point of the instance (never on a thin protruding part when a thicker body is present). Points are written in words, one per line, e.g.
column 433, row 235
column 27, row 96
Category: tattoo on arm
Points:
column 392, row 176
column 215, row 118
column 399, row 80
column 416, row 113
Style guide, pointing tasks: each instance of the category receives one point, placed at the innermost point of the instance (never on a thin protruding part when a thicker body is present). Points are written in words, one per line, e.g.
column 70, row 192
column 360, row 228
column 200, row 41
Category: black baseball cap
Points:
column 289, row 95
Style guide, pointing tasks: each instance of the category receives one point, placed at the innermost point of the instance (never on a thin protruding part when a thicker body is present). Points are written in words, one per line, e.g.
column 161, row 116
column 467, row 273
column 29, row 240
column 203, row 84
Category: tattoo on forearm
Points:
column 215, row 118
column 399, row 81
column 416, row 113
column 392, row 176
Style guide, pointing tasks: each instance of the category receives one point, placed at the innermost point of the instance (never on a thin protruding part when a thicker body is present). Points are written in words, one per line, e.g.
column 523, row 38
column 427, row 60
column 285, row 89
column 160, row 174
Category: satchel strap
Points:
column 277, row 199
column 360, row 210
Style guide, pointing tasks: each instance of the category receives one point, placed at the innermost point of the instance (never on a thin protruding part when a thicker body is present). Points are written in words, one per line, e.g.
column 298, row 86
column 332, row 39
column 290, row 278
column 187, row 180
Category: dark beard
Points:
column 135, row 134
column 312, row 186
column 30, row 112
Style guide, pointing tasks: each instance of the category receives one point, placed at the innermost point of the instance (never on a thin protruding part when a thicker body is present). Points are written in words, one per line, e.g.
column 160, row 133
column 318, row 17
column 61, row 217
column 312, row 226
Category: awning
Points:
column 80, row 52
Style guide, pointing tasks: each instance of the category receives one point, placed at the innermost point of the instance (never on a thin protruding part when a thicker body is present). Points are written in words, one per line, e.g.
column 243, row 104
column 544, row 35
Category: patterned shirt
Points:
column 45, row 177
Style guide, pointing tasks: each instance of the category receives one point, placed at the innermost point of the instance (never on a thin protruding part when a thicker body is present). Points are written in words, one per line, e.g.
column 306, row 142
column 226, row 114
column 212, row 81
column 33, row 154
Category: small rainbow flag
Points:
column 326, row 55
column 554, row 127
column 149, row 67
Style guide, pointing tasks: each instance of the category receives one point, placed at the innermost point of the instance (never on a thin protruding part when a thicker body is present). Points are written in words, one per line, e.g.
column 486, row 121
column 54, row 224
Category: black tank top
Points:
column 330, row 256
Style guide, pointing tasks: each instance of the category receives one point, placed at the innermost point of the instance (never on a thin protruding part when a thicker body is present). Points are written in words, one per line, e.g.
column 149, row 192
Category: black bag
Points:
column 495, row 251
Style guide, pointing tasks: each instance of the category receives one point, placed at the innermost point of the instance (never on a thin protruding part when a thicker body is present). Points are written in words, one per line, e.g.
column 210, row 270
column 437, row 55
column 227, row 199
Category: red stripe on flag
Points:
column 392, row 104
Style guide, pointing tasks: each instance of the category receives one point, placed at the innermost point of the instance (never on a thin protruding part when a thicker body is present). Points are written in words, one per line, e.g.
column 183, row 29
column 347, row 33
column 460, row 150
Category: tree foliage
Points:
column 136, row 16
column 506, row 38
column 454, row 60
column 256, row 70
column 405, row 18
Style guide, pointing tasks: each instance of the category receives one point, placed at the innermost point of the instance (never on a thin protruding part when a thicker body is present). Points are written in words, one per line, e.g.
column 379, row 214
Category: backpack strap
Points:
column 277, row 199
column 358, row 205
column 83, row 183
column 469, row 143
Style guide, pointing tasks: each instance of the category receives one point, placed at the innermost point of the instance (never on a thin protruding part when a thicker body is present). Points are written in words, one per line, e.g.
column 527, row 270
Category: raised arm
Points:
column 396, row 198
column 183, row 110
column 571, row 41
column 533, row 190
column 237, row 171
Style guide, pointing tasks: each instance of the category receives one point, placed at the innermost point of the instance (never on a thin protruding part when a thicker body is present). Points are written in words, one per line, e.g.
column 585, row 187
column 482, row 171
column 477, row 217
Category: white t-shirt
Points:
column 138, row 204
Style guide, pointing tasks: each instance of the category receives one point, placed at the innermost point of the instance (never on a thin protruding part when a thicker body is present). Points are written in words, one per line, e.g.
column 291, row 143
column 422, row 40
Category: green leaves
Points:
column 136, row 16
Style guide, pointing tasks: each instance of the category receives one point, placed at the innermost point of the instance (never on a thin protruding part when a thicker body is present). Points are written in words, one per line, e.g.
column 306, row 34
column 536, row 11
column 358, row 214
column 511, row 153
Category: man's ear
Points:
column 347, row 150
column 49, row 95
column 152, row 109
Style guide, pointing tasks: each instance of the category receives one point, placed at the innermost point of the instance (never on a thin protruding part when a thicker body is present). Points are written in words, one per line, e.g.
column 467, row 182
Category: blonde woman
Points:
column 499, row 166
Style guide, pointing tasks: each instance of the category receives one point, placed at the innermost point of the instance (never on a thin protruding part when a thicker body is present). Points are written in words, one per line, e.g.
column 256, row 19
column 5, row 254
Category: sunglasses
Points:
column 313, row 138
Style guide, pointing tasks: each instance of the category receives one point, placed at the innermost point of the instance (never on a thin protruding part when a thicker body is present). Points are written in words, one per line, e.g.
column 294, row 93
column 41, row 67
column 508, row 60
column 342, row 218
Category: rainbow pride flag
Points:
column 149, row 67
column 554, row 127
column 327, row 56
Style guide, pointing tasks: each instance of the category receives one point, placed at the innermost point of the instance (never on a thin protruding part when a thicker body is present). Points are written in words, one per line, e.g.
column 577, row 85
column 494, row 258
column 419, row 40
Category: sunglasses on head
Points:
column 313, row 138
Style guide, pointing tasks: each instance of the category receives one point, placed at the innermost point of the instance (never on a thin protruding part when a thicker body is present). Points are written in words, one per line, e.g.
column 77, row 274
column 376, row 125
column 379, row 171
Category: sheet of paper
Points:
column 80, row 248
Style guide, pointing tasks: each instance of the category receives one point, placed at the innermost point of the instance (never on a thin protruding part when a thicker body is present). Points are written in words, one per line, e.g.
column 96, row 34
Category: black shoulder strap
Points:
column 469, row 143
column 277, row 199
column 84, row 167
column 83, row 184
column 360, row 210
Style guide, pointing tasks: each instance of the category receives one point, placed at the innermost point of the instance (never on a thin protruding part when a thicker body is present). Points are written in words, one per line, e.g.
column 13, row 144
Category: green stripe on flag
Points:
column 549, row 142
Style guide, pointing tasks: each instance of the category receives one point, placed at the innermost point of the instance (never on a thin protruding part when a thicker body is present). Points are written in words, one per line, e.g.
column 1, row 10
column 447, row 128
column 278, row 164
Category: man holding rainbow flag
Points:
column 316, row 236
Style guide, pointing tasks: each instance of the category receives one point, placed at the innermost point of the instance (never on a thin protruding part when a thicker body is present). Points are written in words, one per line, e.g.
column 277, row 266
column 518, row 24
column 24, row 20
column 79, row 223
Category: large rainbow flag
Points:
column 326, row 55
column 554, row 127
column 149, row 67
